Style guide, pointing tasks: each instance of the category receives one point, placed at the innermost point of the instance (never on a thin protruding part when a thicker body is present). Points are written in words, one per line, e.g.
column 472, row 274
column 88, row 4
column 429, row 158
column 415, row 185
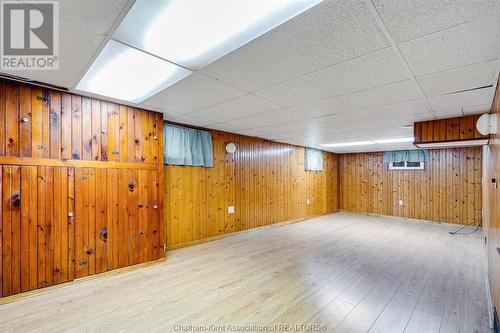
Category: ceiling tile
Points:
column 477, row 109
column 226, row 127
column 362, row 73
column 318, row 133
column 334, row 138
column 381, row 124
column 383, row 95
column 92, row 15
column 464, row 78
column 195, row 92
column 190, row 120
column 461, row 46
column 268, row 119
column 410, row 19
column 327, row 34
column 240, row 107
column 463, row 99
column 77, row 46
column 450, row 113
column 387, row 133
column 378, row 113
column 253, row 133
column 309, row 126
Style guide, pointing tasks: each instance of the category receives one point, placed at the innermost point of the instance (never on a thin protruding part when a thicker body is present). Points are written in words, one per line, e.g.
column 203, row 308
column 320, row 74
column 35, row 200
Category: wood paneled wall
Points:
column 448, row 190
column 491, row 204
column 450, row 129
column 80, row 187
column 264, row 180
column 42, row 123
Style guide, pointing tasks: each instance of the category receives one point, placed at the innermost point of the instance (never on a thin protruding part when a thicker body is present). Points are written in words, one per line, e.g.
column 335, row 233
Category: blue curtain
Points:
column 405, row 156
column 187, row 146
column 313, row 160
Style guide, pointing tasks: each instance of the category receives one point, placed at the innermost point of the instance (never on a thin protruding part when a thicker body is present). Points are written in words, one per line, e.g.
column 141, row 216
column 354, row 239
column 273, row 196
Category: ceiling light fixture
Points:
column 365, row 143
column 395, row 140
column 348, row 144
column 128, row 74
column 196, row 33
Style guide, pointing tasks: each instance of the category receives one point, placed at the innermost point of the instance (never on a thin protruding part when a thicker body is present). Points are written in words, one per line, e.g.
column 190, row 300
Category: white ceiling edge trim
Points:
column 453, row 144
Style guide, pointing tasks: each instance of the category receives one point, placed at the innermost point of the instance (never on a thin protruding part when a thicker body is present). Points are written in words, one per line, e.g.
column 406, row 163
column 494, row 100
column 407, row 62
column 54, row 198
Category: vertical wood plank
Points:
column 96, row 130
column 25, row 121
column 104, row 131
column 81, row 261
column 12, row 119
column 86, row 116
column 123, row 133
column 112, row 203
column 101, row 230
column 30, row 202
column 71, row 225
column 66, row 126
column 55, row 124
column 3, row 102
column 49, row 225
column 76, row 127
column 41, row 218
column 24, row 234
column 113, row 124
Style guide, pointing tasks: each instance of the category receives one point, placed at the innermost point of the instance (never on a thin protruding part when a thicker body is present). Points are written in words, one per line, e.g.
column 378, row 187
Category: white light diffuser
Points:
column 453, row 144
column 349, row 144
column 396, row 140
column 195, row 33
column 128, row 74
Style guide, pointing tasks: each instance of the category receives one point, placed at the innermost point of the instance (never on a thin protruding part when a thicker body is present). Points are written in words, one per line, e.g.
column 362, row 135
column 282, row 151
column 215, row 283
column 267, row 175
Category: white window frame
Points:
column 405, row 167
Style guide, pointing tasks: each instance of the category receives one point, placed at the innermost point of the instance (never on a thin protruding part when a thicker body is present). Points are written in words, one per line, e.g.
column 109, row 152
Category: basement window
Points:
column 406, row 166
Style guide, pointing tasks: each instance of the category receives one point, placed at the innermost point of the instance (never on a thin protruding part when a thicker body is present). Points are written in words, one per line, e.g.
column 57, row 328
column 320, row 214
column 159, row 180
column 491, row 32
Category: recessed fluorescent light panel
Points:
column 349, row 144
column 196, row 33
column 364, row 143
column 128, row 74
column 396, row 140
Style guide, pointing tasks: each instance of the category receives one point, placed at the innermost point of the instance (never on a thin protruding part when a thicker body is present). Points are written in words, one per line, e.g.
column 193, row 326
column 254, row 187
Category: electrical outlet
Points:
column 230, row 209
column 308, row 201
column 400, row 202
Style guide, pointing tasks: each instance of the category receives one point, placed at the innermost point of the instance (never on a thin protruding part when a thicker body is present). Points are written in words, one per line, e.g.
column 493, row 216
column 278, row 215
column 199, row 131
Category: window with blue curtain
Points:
column 405, row 156
column 187, row 146
column 313, row 160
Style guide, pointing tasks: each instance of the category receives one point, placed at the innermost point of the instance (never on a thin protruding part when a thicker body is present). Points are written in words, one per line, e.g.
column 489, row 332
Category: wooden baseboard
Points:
column 400, row 217
column 234, row 233
column 118, row 271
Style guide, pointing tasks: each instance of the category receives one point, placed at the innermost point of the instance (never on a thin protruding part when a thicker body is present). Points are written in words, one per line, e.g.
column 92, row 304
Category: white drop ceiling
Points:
column 344, row 70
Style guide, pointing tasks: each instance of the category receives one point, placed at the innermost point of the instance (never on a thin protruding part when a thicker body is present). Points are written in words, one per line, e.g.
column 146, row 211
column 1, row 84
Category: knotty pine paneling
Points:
column 62, row 153
column 450, row 129
column 264, row 180
column 42, row 123
column 491, row 202
column 448, row 190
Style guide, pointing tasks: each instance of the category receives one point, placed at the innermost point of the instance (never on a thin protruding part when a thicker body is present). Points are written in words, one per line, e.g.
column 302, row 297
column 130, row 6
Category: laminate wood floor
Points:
column 336, row 273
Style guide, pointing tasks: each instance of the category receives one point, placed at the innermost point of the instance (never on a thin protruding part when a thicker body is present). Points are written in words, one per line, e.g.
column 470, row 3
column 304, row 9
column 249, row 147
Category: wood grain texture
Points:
column 264, row 180
column 67, row 126
column 491, row 204
column 448, row 190
column 54, row 150
column 450, row 129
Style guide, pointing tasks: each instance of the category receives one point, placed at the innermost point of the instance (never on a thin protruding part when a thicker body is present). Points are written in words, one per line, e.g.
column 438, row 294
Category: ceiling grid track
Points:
column 380, row 23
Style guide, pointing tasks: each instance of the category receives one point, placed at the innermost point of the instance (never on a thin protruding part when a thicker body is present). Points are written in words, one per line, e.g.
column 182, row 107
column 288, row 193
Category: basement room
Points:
column 250, row 166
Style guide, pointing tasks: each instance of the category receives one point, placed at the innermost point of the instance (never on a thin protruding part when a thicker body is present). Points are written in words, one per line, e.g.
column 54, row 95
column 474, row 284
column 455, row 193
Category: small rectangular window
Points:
column 401, row 166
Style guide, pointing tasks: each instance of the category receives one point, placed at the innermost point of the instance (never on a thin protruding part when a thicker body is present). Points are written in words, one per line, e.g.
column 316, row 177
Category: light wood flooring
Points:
column 336, row 273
